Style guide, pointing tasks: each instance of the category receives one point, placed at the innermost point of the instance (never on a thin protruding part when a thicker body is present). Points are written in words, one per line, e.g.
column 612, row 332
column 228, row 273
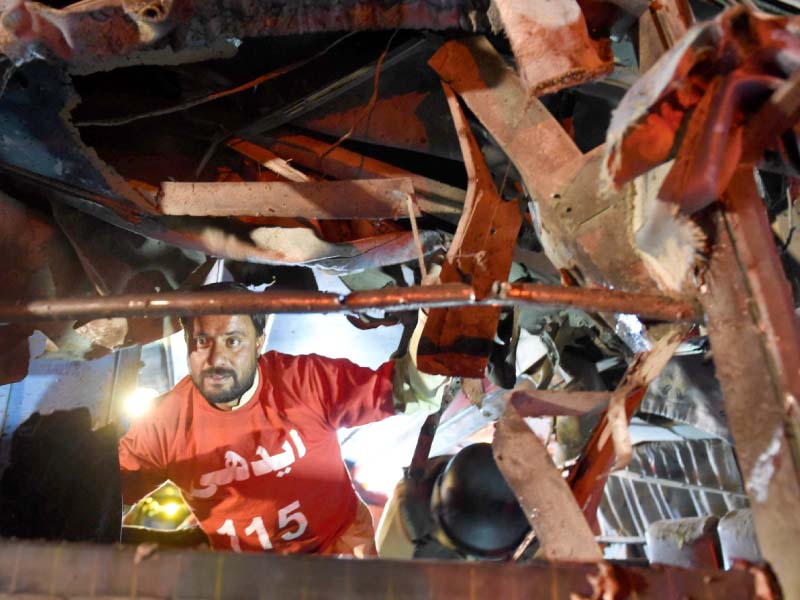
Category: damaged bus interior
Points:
column 592, row 203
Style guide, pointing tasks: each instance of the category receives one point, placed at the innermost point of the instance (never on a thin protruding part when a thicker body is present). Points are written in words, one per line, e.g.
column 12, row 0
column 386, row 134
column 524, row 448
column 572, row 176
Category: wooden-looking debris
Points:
column 552, row 46
column 546, row 499
column 361, row 199
column 660, row 27
column 268, row 159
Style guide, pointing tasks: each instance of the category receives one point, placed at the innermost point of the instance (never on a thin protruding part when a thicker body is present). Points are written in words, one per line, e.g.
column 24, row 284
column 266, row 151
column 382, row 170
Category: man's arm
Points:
column 414, row 390
column 142, row 461
column 351, row 395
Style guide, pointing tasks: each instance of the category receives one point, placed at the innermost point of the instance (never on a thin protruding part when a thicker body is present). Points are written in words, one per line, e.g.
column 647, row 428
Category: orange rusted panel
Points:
column 458, row 341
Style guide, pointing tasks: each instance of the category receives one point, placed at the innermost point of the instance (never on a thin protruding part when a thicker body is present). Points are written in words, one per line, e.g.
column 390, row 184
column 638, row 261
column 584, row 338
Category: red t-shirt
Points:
column 270, row 475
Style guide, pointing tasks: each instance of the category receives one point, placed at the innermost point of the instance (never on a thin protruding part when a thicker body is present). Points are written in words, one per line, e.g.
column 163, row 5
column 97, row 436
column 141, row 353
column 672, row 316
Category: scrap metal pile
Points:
column 465, row 145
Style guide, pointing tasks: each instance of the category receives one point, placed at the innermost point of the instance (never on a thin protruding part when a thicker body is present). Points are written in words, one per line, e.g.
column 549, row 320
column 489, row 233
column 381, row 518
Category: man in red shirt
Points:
column 251, row 440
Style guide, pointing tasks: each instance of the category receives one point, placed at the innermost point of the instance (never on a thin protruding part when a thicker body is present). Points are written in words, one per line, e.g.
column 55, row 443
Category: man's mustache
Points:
column 219, row 372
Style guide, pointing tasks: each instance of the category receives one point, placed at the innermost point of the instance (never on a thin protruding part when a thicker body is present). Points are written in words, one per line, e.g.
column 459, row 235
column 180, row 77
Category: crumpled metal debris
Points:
column 694, row 104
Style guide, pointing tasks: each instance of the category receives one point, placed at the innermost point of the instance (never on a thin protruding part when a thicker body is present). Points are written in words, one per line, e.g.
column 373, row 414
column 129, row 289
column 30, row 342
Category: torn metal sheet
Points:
column 687, row 391
column 575, row 225
column 749, row 307
column 96, row 34
column 547, row 501
column 552, row 46
column 360, row 199
column 36, row 136
column 697, row 115
column 572, row 218
column 588, row 476
column 433, row 197
column 458, row 341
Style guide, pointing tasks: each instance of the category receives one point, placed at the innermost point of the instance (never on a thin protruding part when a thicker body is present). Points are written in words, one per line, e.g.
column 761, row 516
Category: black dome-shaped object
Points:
column 474, row 505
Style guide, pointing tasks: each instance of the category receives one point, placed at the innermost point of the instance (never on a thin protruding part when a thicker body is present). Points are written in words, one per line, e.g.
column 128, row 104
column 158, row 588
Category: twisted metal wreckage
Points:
column 143, row 140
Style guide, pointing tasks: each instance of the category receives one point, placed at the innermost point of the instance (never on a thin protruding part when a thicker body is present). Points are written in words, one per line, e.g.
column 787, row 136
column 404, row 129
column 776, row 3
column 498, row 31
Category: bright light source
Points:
column 140, row 401
column 376, row 477
column 170, row 509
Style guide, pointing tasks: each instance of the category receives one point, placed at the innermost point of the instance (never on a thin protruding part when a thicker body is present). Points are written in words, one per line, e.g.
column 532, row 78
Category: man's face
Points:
column 223, row 354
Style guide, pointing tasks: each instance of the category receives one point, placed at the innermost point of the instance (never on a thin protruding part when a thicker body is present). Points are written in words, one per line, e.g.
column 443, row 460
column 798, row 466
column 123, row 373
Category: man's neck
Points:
column 242, row 400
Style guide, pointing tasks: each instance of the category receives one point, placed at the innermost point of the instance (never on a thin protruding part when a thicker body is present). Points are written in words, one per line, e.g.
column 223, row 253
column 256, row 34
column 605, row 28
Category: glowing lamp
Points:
column 140, row 401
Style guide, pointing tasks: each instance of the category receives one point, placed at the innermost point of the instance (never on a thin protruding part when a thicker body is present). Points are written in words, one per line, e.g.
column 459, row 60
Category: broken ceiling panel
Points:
column 406, row 112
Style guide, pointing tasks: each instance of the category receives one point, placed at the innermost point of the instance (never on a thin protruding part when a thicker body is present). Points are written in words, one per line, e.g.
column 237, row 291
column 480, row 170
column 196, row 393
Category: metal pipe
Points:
column 649, row 306
column 390, row 299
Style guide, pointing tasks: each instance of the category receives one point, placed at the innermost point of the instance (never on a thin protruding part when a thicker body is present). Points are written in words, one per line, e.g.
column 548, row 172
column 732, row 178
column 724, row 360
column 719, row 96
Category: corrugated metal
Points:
column 670, row 480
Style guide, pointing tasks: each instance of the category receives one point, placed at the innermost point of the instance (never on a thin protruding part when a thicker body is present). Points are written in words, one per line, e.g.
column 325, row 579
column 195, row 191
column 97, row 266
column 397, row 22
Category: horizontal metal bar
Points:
column 391, row 299
column 675, row 484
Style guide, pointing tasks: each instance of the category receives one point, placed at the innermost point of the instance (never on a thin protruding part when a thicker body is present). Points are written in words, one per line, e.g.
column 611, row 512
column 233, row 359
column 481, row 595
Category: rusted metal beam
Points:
column 754, row 338
column 551, row 43
column 433, row 197
column 547, row 501
column 40, row 570
column 458, row 341
column 361, row 199
column 531, row 137
column 390, row 299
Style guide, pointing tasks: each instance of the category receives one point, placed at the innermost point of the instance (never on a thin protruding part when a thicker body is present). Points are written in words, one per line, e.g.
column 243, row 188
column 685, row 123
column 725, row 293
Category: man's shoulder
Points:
column 171, row 402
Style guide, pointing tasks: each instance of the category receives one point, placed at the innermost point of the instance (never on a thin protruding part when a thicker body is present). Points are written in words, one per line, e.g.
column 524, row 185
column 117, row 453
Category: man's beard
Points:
column 234, row 392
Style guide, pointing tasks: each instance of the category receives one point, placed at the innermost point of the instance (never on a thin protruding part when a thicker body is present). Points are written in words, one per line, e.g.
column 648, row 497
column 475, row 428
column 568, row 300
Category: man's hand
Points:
column 413, row 389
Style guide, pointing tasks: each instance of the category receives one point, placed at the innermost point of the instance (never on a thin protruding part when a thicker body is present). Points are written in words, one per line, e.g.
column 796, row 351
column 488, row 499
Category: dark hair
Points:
column 259, row 320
